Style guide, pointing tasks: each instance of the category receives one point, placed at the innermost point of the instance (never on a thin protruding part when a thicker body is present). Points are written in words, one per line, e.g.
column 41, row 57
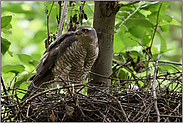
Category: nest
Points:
column 120, row 102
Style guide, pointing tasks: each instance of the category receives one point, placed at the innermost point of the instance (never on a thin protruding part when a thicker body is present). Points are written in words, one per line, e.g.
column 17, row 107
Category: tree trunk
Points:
column 104, row 22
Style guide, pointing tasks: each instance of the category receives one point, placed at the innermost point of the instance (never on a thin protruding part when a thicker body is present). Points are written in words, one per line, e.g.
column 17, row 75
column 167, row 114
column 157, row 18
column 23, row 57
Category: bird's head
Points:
column 86, row 32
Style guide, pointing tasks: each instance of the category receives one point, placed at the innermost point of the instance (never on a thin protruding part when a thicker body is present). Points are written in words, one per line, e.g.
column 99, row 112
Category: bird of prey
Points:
column 69, row 57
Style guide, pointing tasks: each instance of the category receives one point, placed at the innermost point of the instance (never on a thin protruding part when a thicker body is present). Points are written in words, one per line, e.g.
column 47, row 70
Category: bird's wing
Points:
column 50, row 56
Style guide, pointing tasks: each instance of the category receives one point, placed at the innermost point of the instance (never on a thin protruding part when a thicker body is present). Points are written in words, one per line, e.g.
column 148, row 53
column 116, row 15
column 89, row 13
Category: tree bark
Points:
column 104, row 22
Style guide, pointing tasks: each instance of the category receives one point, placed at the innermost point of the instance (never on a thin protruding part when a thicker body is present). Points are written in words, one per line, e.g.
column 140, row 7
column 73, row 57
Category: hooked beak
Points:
column 77, row 32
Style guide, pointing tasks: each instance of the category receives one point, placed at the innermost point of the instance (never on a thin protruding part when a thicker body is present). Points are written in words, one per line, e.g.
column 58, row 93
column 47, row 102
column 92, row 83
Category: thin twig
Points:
column 160, row 61
column 43, row 92
column 155, row 26
column 80, row 19
column 128, row 4
column 140, row 3
column 52, row 89
column 115, row 98
column 145, row 49
column 59, row 31
column 153, row 87
column 173, row 111
column 4, row 88
column 48, row 23
column 66, row 21
column 59, row 3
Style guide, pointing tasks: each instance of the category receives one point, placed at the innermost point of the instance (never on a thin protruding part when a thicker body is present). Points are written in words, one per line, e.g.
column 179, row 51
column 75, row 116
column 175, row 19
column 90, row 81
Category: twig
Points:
column 59, row 3
column 14, row 84
column 48, row 24
column 145, row 49
column 27, row 113
column 65, row 84
column 81, row 9
column 173, row 111
column 140, row 3
column 115, row 98
column 66, row 21
column 43, row 92
column 52, row 89
column 99, row 75
column 128, row 4
column 155, row 26
column 153, row 86
column 171, row 66
column 169, row 62
column 137, row 113
column 4, row 96
column 4, row 88
column 59, row 31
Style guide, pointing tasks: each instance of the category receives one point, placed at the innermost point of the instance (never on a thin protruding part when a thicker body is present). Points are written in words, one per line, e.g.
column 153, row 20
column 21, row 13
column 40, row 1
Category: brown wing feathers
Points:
column 48, row 60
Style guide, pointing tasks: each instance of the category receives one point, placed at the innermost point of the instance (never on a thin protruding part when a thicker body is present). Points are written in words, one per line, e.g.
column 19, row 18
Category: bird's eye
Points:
column 84, row 30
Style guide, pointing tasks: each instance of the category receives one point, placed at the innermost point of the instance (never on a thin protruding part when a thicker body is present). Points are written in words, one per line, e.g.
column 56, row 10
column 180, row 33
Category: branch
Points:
column 44, row 92
column 117, row 101
column 81, row 9
column 52, row 89
column 4, row 88
column 66, row 21
column 153, row 87
column 145, row 49
column 128, row 4
column 169, row 62
column 129, row 16
column 48, row 24
column 173, row 112
column 59, row 31
column 155, row 26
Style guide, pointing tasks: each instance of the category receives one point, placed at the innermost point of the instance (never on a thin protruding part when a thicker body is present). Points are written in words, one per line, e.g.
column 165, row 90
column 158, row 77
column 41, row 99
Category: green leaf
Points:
column 142, row 33
column 133, row 22
column 39, row 37
column 5, row 20
column 5, row 44
column 163, row 18
column 123, row 74
column 33, row 62
column 125, row 38
column 10, row 53
column 165, row 67
column 13, row 68
column 23, row 79
column 174, row 22
column 165, row 28
column 137, row 31
column 118, row 44
column 16, row 8
column 134, row 54
column 163, row 47
column 7, row 29
column 25, row 58
column 152, row 6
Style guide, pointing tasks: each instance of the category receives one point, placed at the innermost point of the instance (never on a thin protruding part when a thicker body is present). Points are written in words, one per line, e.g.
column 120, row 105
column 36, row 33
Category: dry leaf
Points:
column 52, row 116
column 69, row 110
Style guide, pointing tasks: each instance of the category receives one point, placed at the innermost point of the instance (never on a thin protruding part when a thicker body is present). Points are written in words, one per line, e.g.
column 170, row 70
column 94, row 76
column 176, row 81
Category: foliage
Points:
column 23, row 27
column 143, row 30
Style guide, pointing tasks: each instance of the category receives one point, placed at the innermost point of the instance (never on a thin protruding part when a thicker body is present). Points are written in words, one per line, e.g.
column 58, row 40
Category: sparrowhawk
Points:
column 70, row 57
